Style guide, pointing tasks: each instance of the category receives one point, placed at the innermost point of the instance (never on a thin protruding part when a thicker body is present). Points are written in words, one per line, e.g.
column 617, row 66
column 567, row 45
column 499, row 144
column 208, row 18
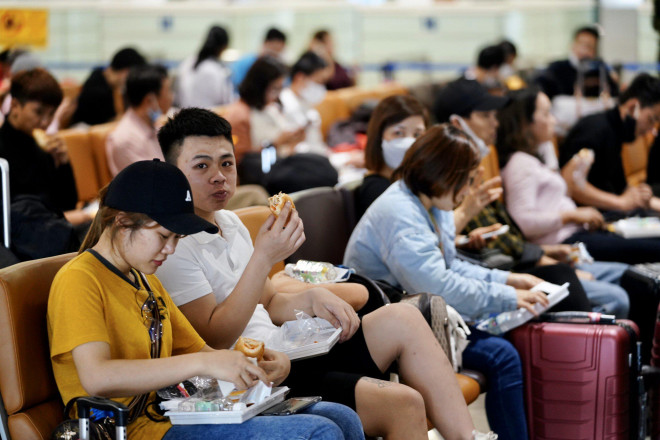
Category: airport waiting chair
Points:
column 329, row 218
column 98, row 135
column 253, row 217
column 32, row 406
column 83, row 163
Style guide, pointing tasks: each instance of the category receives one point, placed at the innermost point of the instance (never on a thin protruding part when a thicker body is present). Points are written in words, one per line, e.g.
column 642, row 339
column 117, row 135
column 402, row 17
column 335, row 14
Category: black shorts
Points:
column 333, row 376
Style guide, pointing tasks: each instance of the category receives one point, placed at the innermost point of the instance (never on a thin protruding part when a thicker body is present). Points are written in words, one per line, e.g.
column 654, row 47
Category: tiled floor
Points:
column 478, row 412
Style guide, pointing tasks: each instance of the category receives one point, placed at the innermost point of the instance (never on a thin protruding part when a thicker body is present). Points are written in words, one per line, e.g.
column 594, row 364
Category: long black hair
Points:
column 216, row 41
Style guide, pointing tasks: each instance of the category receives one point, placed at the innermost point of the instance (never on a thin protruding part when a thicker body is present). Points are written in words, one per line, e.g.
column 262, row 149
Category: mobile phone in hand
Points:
column 268, row 157
column 291, row 406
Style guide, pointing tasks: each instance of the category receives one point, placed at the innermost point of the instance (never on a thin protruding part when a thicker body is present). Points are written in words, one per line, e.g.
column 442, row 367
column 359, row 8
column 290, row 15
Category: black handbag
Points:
column 106, row 428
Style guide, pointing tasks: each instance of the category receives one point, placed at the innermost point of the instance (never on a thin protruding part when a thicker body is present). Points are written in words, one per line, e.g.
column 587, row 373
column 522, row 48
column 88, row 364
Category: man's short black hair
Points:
column 490, row 56
column 274, row 34
column 36, row 85
column 143, row 80
column 591, row 30
column 190, row 122
column 127, row 58
column 308, row 63
column 645, row 88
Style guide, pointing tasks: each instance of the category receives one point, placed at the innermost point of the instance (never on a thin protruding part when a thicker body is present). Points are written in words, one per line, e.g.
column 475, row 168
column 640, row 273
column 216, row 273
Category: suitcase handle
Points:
column 85, row 404
column 578, row 318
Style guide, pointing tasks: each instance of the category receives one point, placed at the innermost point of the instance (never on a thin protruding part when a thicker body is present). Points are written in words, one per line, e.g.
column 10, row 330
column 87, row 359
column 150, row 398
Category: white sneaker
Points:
column 476, row 435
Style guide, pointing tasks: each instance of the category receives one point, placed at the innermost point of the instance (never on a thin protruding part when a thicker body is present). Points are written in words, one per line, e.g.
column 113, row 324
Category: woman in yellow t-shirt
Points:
column 108, row 313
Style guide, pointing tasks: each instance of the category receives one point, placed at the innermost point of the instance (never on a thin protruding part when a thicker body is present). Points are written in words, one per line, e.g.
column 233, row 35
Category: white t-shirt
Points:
column 301, row 115
column 207, row 86
column 205, row 263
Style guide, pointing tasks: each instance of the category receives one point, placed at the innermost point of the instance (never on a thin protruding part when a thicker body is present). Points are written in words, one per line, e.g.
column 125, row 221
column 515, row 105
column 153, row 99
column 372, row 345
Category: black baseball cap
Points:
column 464, row 96
column 161, row 191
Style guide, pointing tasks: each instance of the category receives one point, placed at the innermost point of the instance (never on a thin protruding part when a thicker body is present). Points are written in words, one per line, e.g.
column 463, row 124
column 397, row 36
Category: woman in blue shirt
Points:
column 416, row 251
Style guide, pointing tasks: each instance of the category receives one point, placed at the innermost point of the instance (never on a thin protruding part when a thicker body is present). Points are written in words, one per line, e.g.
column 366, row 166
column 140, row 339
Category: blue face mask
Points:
column 154, row 115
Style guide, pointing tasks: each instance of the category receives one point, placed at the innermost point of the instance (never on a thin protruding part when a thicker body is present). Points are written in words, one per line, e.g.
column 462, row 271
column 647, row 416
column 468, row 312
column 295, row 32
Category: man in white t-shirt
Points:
column 220, row 282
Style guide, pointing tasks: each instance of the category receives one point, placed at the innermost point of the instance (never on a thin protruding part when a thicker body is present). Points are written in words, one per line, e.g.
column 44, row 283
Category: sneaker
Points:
column 476, row 435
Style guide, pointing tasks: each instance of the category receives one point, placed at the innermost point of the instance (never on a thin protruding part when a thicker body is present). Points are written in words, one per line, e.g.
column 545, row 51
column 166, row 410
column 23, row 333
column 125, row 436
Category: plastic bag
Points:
column 501, row 323
column 198, row 386
column 316, row 272
column 304, row 330
column 579, row 254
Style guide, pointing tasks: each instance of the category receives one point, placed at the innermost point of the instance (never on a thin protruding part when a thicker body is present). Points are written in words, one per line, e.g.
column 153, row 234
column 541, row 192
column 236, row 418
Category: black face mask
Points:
column 629, row 126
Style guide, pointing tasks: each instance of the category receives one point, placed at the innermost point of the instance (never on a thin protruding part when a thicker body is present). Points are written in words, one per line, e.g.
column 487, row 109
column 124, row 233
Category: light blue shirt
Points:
column 396, row 241
column 240, row 67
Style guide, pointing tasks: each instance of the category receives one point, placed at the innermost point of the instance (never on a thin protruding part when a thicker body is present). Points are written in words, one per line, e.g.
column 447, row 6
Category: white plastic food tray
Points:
column 226, row 417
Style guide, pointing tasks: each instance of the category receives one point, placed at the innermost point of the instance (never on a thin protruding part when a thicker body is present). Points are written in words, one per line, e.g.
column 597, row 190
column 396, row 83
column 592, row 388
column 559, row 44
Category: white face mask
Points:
column 547, row 152
column 506, row 71
column 483, row 148
column 395, row 149
column 313, row 93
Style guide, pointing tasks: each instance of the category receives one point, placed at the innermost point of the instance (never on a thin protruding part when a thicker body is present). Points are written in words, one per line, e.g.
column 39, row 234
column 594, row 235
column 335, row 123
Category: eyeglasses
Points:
column 151, row 318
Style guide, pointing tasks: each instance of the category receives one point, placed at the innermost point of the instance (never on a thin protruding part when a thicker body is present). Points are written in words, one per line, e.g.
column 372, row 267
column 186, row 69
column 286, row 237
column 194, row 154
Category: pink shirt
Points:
column 535, row 197
column 131, row 141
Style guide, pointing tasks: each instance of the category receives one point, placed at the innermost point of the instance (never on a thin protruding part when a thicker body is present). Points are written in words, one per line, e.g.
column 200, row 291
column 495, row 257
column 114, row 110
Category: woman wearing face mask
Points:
column 256, row 118
column 397, row 121
column 394, row 125
column 115, row 332
column 406, row 238
column 306, row 90
column 298, row 160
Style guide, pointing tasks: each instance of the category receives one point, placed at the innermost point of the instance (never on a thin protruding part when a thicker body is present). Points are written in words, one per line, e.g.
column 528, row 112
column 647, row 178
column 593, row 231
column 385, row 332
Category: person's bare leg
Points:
column 355, row 294
column 399, row 332
column 390, row 410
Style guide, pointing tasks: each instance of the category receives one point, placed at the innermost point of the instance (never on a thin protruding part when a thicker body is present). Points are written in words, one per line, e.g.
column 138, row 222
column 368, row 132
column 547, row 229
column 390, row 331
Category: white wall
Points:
column 448, row 34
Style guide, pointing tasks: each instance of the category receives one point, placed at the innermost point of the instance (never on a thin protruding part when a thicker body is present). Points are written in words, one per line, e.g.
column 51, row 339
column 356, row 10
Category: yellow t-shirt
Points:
column 89, row 302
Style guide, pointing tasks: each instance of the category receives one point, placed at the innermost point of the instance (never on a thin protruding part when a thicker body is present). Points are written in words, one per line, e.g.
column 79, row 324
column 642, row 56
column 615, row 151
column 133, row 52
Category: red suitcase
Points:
column 578, row 379
column 654, row 396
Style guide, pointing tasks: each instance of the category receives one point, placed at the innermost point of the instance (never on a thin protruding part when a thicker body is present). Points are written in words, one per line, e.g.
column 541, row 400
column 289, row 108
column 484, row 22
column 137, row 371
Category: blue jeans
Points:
column 323, row 421
column 496, row 358
column 604, row 293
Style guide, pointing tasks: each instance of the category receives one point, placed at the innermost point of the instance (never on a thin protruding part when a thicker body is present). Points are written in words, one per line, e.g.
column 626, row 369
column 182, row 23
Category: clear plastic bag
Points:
column 317, row 272
column 198, row 386
column 305, row 330
column 579, row 254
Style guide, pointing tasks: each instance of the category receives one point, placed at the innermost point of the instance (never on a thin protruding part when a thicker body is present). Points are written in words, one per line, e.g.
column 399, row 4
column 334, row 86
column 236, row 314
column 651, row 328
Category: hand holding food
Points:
column 277, row 202
column 41, row 138
column 250, row 348
column 51, row 144
column 281, row 234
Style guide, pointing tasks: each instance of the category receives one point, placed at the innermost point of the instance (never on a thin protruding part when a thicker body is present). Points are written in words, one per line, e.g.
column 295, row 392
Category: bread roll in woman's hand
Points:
column 41, row 138
column 277, row 202
column 250, row 347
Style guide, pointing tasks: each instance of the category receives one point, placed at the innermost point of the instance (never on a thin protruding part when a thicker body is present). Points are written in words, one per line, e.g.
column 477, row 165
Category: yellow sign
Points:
column 23, row 27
